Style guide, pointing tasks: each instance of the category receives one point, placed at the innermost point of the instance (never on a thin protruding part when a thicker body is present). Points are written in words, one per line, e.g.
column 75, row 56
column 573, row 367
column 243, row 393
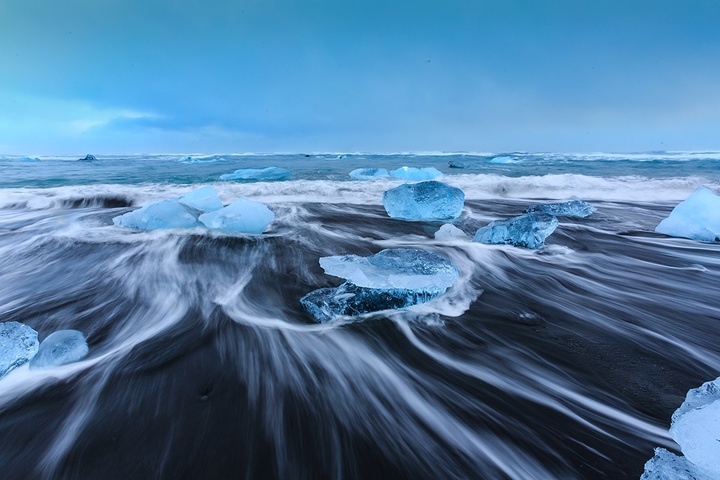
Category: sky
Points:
column 156, row 76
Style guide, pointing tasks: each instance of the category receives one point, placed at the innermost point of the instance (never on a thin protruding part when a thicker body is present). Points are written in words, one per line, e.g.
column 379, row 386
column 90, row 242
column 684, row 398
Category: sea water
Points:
column 563, row 362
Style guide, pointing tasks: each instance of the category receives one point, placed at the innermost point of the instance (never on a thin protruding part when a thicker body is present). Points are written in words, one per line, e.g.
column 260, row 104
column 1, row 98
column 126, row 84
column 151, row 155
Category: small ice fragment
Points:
column 529, row 230
column 241, row 216
column 391, row 279
column 156, row 215
column 369, row 173
column 60, row 348
column 448, row 232
column 454, row 164
column 88, row 158
column 573, row 208
column 413, row 173
column 204, row 199
column 18, row 344
column 668, row 466
column 424, row 201
column 696, row 217
column 503, row 159
column 258, row 174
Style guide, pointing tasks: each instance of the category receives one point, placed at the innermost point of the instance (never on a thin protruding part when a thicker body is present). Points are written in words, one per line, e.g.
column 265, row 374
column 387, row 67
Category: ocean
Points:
column 559, row 363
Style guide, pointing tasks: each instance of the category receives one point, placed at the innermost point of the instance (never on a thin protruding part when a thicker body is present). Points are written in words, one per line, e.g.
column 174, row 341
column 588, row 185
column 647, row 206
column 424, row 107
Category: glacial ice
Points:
column 258, row 174
column 503, row 159
column 573, row 208
column 88, row 158
column 696, row 428
column 454, row 164
column 29, row 159
column 160, row 214
column 696, row 217
column 241, row 216
column 369, row 173
column 450, row 231
column 18, row 344
column 529, row 230
column 424, row 201
column 391, row 279
column 60, row 348
column 203, row 199
column 413, row 173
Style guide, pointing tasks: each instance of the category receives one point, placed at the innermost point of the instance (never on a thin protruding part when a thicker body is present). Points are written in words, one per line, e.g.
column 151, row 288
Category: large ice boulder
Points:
column 18, row 344
column 391, row 279
column 60, row 348
column 696, row 217
column 369, row 173
column 413, row 173
column 696, row 428
column 267, row 174
column 241, row 216
column 203, row 199
column 529, row 230
column 572, row 208
column 159, row 214
column 424, row 201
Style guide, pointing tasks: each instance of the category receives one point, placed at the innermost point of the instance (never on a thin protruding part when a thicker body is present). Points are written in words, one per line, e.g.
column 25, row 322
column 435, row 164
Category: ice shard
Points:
column 424, row 201
column 529, row 230
column 60, row 348
column 413, row 173
column 573, row 208
column 369, row 173
column 160, row 214
column 18, row 344
column 241, row 216
column 267, row 174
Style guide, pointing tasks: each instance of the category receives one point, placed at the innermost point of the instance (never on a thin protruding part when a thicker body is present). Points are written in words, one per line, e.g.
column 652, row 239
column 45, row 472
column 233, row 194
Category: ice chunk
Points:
column 28, row 159
column 60, row 348
column 160, row 214
column 413, row 173
column 572, row 208
column 696, row 217
column 668, row 466
column 258, row 174
column 504, row 159
column 390, row 279
column 454, row 164
column 424, row 201
column 696, row 427
column 18, row 344
column 88, row 158
column 409, row 268
column 204, row 199
column 241, row 216
column 450, row 231
column 368, row 173
column 529, row 230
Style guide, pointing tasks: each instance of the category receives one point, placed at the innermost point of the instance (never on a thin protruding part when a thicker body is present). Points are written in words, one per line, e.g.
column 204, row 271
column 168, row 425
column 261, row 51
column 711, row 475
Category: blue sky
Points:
column 144, row 76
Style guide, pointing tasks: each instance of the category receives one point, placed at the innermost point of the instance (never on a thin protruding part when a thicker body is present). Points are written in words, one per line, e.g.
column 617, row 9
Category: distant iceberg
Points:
column 504, row 159
column 88, row 158
column 267, row 174
column 18, row 344
column 454, row 164
column 60, row 348
column 573, row 208
column 391, row 279
column 424, row 201
column 529, row 230
column 29, row 159
column 241, row 216
column 413, row 173
column 696, row 428
column 696, row 217
column 369, row 173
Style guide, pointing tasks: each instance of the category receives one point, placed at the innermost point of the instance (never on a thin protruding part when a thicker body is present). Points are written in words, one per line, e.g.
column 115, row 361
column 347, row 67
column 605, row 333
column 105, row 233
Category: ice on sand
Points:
column 391, row 279
column 573, row 208
column 258, row 174
column 696, row 217
column 413, row 173
column 160, row 214
column 369, row 173
column 18, row 344
column 241, row 216
column 529, row 230
column 60, row 348
column 450, row 231
column 424, row 201
column 696, row 428
column 203, row 199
